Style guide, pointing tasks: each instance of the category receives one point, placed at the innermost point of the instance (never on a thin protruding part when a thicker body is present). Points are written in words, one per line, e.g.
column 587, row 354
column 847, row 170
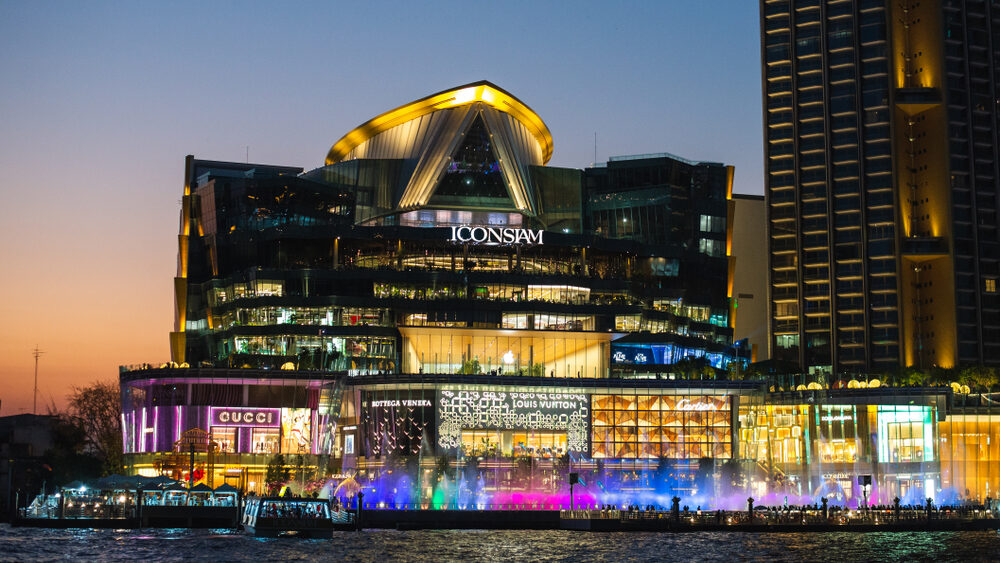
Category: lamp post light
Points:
column 357, row 515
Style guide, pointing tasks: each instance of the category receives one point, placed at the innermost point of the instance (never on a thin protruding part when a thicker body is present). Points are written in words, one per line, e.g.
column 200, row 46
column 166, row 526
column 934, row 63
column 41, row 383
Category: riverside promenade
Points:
column 783, row 519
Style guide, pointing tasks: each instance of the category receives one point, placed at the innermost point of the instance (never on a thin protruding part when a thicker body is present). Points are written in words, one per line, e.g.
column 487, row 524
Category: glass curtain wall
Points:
column 357, row 355
column 568, row 355
column 970, row 457
column 816, row 451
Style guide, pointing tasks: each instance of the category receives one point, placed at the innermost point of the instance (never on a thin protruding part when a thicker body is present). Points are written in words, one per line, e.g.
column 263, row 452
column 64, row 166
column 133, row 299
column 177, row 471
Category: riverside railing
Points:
column 790, row 515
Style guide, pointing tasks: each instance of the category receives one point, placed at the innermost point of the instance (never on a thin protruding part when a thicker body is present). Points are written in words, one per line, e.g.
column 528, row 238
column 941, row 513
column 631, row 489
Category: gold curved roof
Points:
column 482, row 91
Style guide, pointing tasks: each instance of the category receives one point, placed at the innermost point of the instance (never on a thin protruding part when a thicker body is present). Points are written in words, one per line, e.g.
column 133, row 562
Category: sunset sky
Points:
column 101, row 101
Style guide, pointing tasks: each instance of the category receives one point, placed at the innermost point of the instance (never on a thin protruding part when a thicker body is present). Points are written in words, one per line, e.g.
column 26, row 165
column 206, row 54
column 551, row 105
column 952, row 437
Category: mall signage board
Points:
column 401, row 403
column 495, row 236
column 704, row 405
column 237, row 416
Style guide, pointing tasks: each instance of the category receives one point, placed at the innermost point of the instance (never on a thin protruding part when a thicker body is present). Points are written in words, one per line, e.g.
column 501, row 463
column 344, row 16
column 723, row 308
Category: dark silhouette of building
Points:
column 24, row 440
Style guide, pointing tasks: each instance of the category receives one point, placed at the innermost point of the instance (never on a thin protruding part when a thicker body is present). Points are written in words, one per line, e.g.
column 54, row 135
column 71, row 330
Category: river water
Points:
column 27, row 544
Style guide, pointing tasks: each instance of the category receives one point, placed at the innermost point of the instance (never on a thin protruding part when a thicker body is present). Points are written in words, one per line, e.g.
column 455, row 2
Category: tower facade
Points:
column 881, row 123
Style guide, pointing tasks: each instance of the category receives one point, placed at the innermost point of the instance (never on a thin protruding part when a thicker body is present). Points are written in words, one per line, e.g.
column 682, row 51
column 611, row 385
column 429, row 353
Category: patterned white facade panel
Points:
column 405, row 141
column 462, row 409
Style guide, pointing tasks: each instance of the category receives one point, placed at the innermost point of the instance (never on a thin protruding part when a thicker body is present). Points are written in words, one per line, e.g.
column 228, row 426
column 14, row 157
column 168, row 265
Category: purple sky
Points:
column 101, row 101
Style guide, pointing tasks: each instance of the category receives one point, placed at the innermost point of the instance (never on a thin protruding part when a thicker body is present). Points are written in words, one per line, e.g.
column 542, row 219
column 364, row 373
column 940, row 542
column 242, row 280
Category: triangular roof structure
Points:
column 472, row 172
column 202, row 488
column 226, row 488
column 463, row 130
column 435, row 133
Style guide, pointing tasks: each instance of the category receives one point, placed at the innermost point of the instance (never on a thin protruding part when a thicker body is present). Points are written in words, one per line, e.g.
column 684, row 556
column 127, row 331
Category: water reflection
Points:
column 450, row 545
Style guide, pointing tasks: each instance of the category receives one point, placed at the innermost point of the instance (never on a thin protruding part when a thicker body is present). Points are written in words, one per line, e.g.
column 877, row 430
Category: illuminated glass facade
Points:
column 881, row 130
column 912, row 444
column 440, row 318
column 518, row 435
column 970, row 453
column 435, row 243
column 441, row 243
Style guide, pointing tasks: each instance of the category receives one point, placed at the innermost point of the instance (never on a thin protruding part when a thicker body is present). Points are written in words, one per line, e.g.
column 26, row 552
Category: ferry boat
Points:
column 271, row 517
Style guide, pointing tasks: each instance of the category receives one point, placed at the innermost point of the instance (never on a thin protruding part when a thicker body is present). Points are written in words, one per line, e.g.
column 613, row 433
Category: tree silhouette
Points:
column 96, row 409
column 276, row 474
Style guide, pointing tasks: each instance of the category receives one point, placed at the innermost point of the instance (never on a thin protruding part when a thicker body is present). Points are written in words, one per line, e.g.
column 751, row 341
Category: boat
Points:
column 271, row 517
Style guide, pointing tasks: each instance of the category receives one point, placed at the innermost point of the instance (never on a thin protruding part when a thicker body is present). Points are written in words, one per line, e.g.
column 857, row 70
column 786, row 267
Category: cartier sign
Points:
column 495, row 236
column 235, row 416
column 688, row 405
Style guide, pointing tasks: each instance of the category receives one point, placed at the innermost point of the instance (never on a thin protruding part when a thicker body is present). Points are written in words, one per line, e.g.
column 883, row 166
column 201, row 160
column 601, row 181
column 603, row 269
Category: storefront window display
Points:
column 225, row 439
column 510, row 443
column 774, row 432
column 906, row 433
column 654, row 426
column 265, row 441
column 837, row 440
column 296, row 431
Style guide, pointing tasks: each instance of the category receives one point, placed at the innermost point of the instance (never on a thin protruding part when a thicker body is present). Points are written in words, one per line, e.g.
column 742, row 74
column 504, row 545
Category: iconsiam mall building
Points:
column 439, row 319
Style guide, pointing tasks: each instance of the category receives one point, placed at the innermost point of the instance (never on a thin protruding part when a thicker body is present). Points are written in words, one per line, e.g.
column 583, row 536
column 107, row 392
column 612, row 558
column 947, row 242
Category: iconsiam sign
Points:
column 495, row 236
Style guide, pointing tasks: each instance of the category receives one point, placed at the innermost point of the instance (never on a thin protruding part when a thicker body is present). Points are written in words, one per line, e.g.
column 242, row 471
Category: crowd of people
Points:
column 792, row 514
column 293, row 510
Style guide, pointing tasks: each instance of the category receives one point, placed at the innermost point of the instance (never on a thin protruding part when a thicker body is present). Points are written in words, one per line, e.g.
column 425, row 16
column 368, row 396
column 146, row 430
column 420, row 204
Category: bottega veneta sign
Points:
column 495, row 236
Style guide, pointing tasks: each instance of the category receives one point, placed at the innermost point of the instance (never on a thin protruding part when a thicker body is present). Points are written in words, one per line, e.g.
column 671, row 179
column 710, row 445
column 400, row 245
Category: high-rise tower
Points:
column 881, row 124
